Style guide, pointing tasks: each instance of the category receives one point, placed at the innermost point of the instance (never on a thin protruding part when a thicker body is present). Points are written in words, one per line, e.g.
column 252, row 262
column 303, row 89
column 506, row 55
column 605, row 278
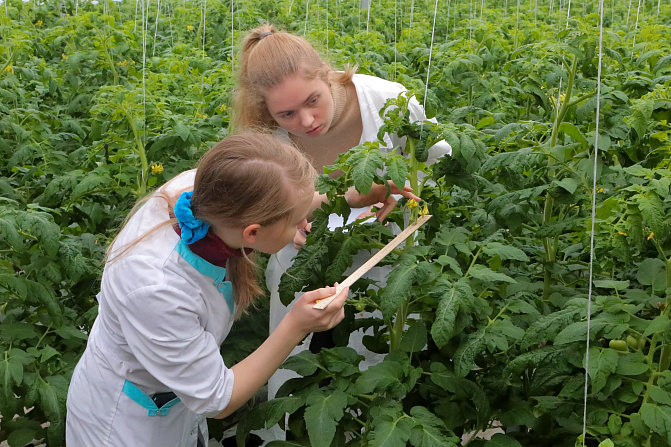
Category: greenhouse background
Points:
column 550, row 237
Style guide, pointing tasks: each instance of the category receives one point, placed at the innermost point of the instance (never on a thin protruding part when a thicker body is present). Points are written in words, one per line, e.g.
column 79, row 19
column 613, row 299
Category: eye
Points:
column 287, row 114
column 313, row 101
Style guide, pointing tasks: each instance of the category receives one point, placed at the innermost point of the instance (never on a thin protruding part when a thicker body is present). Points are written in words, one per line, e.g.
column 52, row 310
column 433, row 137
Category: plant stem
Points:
column 550, row 244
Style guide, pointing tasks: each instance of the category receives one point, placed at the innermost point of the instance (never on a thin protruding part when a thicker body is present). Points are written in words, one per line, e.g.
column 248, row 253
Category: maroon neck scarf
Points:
column 212, row 249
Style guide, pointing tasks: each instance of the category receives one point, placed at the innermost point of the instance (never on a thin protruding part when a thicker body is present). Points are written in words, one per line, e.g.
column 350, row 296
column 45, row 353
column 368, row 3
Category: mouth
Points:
column 314, row 131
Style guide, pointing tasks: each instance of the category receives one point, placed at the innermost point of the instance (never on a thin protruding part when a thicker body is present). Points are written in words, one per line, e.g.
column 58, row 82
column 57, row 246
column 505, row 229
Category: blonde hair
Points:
column 244, row 179
column 267, row 58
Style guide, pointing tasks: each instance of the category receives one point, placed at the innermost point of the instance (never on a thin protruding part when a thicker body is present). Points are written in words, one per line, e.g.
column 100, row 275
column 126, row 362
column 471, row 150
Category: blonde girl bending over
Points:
column 176, row 276
column 284, row 85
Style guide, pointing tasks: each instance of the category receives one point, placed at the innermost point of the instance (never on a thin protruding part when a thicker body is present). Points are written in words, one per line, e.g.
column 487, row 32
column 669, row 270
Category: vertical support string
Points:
column 428, row 70
column 591, row 241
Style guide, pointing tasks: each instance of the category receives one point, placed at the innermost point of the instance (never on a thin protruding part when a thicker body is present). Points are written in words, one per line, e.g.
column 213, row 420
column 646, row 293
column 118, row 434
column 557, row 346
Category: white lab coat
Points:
column 163, row 314
column 372, row 93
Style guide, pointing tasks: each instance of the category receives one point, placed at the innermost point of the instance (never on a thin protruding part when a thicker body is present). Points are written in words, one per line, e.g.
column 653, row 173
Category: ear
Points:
column 249, row 234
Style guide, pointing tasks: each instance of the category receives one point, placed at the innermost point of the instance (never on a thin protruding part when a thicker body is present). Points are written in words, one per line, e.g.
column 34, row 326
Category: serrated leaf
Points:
column 602, row 363
column 304, row 363
column 414, row 338
column 454, row 295
column 464, row 358
column 659, row 324
column 505, row 251
column 547, row 328
column 573, row 132
column 399, row 285
column 390, row 432
column 658, row 418
column 19, row 331
column 429, row 430
column 322, row 415
column 365, row 165
column 631, row 364
column 486, row 274
column 397, row 169
column 267, row 414
column 69, row 332
column 381, row 377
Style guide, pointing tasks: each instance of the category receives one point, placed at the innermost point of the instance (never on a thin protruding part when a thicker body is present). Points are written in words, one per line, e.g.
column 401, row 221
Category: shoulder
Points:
column 377, row 86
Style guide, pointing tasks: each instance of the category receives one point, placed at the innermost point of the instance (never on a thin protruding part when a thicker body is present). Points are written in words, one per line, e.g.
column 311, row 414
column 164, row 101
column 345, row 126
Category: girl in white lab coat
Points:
column 284, row 85
column 175, row 277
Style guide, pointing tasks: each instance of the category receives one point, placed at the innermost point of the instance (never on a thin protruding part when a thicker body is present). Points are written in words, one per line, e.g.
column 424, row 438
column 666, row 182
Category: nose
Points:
column 306, row 118
column 303, row 224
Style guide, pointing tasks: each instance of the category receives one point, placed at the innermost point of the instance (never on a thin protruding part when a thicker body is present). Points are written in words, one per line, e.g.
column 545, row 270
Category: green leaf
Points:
column 365, row 165
column 569, row 184
column 658, row 418
column 612, row 284
column 652, row 209
column 390, row 432
column 267, row 414
column 464, row 358
column 70, row 332
column 631, row 364
column 651, row 272
column 546, row 328
column 505, row 251
column 304, row 363
column 659, row 324
column 501, row 440
column 400, row 283
column 602, row 363
column 414, row 339
column 429, row 430
column 322, row 415
column 19, row 331
column 52, row 395
column 397, row 169
column 21, row 437
column 381, row 377
column 486, row 274
column 452, row 298
column 573, row 132
column 659, row 395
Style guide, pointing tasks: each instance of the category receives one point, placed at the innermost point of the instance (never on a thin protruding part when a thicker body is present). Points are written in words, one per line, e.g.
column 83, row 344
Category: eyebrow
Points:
column 312, row 95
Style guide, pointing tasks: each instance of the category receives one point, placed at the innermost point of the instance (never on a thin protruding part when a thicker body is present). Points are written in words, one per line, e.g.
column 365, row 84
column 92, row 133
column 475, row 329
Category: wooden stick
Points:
column 351, row 279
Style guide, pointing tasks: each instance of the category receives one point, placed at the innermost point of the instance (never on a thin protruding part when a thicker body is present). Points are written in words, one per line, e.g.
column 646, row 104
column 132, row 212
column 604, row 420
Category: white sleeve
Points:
column 162, row 328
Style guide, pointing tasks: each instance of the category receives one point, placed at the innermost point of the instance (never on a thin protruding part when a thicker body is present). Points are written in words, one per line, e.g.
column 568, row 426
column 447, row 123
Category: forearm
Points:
column 255, row 370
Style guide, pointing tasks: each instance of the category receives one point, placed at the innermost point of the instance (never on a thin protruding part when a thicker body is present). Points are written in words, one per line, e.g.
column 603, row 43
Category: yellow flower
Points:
column 200, row 116
column 64, row 56
column 222, row 108
column 600, row 190
column 425, row 210
column 123, row 63
column 189, row 28
column 651, row 235
column 9, row 69
column 157, row 168
column 412, row 203
column 562, row 97
column 38, row 23
column 621, row 233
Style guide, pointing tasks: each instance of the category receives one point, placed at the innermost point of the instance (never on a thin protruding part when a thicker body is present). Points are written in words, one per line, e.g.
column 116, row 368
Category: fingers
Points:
column 319, row 294
column 299, row 239
column 386, row 208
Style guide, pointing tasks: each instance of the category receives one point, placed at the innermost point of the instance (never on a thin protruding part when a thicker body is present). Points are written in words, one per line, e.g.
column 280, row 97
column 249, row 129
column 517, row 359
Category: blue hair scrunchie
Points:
column 193, row 229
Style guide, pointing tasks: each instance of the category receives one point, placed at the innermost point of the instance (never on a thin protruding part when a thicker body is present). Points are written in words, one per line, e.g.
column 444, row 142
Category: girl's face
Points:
column 304, row 107
column 274, row 237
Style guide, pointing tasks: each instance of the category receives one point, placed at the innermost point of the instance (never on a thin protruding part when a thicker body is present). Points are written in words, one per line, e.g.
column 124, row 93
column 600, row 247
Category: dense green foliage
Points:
column 483, row 315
